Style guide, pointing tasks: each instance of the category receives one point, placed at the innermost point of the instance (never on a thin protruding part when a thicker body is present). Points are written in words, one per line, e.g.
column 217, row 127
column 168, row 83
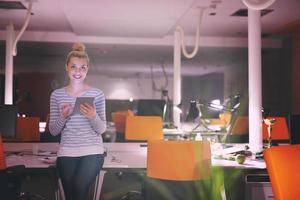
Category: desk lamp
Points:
column 230, row 105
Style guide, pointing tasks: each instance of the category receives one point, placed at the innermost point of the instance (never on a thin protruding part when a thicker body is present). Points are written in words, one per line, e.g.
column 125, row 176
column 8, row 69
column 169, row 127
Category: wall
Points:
column 232, row 63
column 126, row 88
column 295, row 73
column 33, row 93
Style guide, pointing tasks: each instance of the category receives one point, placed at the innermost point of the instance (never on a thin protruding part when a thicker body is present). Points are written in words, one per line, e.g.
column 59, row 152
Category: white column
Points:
column 255, row 81
column 9, row 64
column 177, row 78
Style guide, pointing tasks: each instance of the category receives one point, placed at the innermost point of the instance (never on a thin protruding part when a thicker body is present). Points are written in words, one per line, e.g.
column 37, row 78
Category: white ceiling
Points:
column 105, row 24
column 147, row 18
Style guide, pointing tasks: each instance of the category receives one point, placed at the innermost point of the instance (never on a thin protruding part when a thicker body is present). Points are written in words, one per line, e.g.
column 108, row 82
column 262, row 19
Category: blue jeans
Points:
column 78, row 173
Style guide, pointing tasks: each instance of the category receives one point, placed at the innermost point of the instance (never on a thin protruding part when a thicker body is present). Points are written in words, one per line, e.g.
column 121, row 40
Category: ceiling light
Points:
column 244, row 12
column 258, row 4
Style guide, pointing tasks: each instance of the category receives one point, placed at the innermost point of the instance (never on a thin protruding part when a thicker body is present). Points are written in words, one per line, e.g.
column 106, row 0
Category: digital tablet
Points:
column 81, row 100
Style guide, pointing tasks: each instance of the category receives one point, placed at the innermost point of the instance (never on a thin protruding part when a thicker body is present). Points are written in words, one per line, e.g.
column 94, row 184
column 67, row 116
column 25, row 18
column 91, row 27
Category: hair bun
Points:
column 78, row 47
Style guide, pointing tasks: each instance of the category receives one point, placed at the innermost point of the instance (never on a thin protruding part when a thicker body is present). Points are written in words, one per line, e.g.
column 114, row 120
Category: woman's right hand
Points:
column 66, row 109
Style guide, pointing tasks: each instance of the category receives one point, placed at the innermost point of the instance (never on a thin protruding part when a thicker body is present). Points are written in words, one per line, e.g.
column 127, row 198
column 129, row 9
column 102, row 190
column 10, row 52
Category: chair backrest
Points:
column 240, row 126
column 119, row 119
column 179, row 160
column 2, row 155
column 283, row 168
column 28, row 129
column 279, row 129
column 143, row 128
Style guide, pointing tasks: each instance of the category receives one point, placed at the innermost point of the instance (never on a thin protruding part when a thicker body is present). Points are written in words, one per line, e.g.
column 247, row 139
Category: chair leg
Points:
column 98, row 184
column 61, row 194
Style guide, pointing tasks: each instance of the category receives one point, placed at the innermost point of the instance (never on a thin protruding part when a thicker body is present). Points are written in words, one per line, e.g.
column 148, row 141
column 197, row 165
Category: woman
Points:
column 80, row 155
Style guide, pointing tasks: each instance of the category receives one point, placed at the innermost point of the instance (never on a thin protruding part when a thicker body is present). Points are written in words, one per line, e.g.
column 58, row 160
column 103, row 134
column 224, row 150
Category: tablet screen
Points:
column 81, row 100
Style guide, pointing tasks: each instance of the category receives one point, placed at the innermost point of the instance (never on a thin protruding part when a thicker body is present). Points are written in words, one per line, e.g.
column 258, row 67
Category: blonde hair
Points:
column 78, row 51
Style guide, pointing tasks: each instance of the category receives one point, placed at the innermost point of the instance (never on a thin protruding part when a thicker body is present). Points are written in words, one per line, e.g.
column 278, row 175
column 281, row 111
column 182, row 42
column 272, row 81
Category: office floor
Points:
column 125, row 185
column 117, row 185
column 38, row 186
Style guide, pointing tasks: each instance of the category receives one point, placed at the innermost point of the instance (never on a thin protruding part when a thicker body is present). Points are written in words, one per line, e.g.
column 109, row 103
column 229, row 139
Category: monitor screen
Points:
column 8, row 121
column 294, row 128
column 151, row 107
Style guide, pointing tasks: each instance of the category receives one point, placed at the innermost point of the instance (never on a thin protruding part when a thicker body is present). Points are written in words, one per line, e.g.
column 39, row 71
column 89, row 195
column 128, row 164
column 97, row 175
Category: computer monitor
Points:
column 151, row 107
column 294, row 128
column 8, row 121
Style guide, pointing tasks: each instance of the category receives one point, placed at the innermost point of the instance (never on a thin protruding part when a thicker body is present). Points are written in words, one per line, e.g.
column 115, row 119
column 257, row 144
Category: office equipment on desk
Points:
column 226, row 113
column 174, row 134
column 8, row 121
column 176, row 166
column 294, row 128
column 143, row 128
column 283, row 168
column 227, row 149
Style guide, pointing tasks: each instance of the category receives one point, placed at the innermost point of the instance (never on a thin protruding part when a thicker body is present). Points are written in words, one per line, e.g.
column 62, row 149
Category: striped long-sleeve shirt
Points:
column 80, row 136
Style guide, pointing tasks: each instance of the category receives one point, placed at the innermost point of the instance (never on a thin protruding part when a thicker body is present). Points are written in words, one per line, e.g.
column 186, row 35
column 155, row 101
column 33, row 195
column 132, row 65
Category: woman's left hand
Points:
column 88, row 110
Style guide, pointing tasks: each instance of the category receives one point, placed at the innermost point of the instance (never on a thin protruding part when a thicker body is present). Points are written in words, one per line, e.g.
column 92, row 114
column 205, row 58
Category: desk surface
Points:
column 119, row 155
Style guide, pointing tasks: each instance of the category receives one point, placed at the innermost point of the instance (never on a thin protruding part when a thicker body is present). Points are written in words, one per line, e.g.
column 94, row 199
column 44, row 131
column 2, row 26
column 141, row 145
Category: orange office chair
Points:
column 176, row 168
column 283, row 168
column 279, row 130
column 119, row 119
column 141, row 128
column 28, row 129
column 240, row 126
column 2, row 156
column 239, row 130
column 223, row 120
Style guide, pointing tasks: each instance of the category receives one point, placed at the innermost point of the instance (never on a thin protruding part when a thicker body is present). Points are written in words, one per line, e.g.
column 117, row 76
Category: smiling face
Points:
column 77, row 69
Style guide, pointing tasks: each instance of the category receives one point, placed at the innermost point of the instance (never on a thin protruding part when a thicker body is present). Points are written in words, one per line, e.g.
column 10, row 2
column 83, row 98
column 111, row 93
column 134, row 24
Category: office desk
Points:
column 43, row 156
column 119, row 155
